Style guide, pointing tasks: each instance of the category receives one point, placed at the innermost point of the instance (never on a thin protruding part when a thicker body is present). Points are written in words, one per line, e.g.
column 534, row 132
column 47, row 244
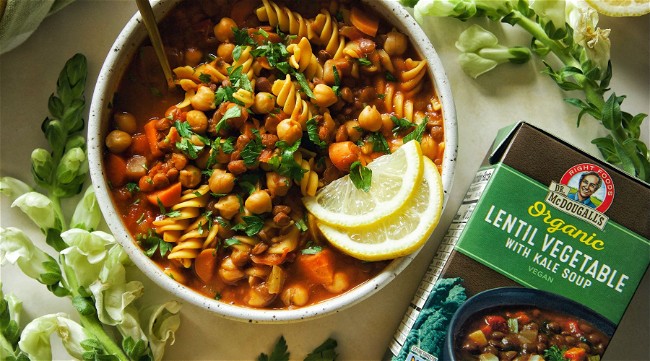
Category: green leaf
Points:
column 252, row 150
column 312, row 133
column 325, row 352
column 304, row 85
column 611, row 113
column 279, row 353
column 379, row 143
column 418, row 132
column 364, row 62
column 286, row 164
column 360, row 176
column 83, row 305
column 231, row 113
column 251, row 225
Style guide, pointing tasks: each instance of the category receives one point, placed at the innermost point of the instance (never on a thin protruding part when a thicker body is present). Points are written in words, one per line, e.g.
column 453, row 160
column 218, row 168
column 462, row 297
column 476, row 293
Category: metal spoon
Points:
column 154, row 35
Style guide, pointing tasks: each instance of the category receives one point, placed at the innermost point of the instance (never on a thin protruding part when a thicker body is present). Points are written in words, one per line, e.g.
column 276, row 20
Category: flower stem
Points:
column 94, row 327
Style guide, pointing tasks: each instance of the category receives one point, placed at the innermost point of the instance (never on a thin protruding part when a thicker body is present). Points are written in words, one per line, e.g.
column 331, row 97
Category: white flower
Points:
column 17, row 248
column 583, row 19
column 35, row 338
column 39, row 208
column 553, row 10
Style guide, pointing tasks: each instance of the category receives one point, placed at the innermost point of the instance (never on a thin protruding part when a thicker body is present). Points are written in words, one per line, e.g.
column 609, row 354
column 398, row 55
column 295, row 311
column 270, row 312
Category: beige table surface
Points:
column 28, row 76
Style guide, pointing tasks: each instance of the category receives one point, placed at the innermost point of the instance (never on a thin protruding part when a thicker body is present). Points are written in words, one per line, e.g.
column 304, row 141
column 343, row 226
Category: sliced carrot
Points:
column 205, row 263
column 318, row 267
column 116, row 170
column 140, row 145
column 167, row 197
column 575, row 354
column 366, row 23
column 152, row 138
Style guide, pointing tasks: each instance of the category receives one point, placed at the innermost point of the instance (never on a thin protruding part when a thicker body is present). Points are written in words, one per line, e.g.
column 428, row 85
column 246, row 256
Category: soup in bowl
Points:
column 202, row 182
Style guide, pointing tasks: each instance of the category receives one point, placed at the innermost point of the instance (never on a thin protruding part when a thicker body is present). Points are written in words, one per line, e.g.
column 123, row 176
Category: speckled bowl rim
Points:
column 109, row 76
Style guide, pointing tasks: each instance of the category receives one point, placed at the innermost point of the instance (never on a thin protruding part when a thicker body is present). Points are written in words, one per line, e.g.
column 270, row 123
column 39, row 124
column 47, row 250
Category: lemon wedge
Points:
column 400, row 234
column 394, row 180
column 621, row 7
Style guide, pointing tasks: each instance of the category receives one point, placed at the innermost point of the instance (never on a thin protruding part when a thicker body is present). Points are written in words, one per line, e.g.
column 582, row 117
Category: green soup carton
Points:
column 539, row 263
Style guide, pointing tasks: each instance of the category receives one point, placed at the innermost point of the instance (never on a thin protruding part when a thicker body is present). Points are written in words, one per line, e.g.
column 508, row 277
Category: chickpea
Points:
column 125, row 122
column 370, row 119
column 223, row 30
column 429, row 146
column 259, row 202
column 387, row 123
column 324, row 96
column 190, row 177
column 347, row 95
column 193, row 56
column 228, row 206
column 395, row 43
column 296, row 295
column 264, row 103
column 289, row 131
column 278, row 184
column 198, row 121
column 118, row 141
column 203, row 99
column 224, row 51
column 353, row 131
column 221, row 182
column 339, row 284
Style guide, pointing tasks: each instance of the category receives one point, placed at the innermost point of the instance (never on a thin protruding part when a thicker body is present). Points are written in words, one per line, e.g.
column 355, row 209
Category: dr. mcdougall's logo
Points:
column 585, row 191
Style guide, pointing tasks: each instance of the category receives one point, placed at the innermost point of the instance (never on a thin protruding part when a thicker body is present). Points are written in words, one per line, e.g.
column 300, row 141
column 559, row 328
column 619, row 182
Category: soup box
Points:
column 539, row 215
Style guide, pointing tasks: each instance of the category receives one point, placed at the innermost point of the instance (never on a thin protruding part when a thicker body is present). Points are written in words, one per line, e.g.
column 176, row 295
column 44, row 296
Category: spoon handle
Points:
column 154, row 35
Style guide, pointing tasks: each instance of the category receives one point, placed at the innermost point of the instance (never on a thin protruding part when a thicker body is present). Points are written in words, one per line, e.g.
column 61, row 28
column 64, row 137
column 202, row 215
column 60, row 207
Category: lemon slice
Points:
column 394, row 179
column 621, row 7
column 400, row 234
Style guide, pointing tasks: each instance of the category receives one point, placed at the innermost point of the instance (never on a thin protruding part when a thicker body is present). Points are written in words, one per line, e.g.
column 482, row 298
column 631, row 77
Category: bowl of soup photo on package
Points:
column 516, row 323
column 293, row 131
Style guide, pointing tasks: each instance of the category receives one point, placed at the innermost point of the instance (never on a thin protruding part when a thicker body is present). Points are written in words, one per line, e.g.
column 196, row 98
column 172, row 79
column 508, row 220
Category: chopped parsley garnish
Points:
column 286, row 165
column 337, row 81
column 173, row 214
column 360, row 176
column 301, row 225
column 312, row 133
column 251, row 225
column 231, row 113
column 379, row 143
column 303, row 83
column 139, row 221
column 230, row 241
column 312, row 249
column 151, row 243
column 390, row 76
column 238, row 80
column 132, row 187
column 400, row 124
column 248, row 182
column 365, row 61
column 252, row 150
column 186, row 145
column 205, row 78
column 418, row 132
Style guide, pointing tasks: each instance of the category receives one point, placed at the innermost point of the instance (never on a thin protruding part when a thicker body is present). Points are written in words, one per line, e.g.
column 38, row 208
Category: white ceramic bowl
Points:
column 114, row 66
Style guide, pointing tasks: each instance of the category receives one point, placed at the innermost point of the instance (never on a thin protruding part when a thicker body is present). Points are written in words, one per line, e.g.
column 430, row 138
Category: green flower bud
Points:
column 482, row 52
column 72, row 165
column 77, row 141
column 42, row 166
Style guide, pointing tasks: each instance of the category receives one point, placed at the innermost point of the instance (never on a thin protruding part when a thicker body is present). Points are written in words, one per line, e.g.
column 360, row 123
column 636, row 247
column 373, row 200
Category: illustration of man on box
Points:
column 589, row 183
